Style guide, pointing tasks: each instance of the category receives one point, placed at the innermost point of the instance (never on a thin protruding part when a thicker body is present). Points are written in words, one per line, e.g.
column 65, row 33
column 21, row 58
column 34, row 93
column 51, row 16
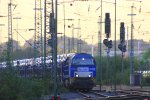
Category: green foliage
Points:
column 146, row 60
column 20, row 53
column 13, row 87
column 114, row 71
column 10, row 86
column 3, row 55
column 23, row 53
column 147, row 55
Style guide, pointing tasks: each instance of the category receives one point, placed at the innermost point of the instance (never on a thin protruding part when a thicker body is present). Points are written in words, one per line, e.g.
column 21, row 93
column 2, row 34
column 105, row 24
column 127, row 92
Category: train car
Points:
column 79, row 71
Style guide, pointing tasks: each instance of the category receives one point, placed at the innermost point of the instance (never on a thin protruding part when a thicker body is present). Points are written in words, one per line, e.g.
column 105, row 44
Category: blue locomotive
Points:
column 79, row 71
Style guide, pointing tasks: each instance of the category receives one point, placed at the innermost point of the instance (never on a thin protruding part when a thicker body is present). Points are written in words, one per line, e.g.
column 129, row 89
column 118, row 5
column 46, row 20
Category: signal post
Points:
column 107, row 42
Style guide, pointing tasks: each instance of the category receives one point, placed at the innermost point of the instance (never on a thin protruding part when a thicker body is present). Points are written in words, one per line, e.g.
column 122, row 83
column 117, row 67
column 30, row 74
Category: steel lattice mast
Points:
column 132, row 49
column 47, row 12
column 38, row 44
column 10, row 37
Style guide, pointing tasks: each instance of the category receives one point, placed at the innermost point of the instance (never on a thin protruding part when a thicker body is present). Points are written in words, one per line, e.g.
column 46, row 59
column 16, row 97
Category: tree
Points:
column 109, row 72
column 146, row 55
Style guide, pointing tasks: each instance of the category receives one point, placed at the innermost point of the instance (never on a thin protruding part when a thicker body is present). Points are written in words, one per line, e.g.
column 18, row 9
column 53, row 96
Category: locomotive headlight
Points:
column 90, row 75
column 77, row 75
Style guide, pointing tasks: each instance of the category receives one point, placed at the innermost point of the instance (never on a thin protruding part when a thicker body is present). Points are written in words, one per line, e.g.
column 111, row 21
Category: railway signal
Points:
column 122, row 33
column 50, row 42
column 52, row 23
column 122, row 47
column 107, row 25
column 108, row 43
column 105, row 41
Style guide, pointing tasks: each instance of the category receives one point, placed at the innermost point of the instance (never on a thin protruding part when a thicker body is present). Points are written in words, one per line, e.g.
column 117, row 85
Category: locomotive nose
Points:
column 83, row 74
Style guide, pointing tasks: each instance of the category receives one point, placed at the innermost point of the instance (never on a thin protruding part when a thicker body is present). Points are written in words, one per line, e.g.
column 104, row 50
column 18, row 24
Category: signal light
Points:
column 56, row 98
column 122, row 47
column 108, row 43
column 122, row 32
column 105, row 41
column 107, row 25
column 52, row 24
column 50, row 42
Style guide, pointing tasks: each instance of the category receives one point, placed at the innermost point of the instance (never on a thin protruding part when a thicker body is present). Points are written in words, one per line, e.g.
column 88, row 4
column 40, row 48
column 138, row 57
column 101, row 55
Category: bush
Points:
column 13, row 87
column 113, row 72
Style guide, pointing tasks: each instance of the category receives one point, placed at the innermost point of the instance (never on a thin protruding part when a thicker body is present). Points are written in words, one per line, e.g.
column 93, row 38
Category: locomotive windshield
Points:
column 83, row 61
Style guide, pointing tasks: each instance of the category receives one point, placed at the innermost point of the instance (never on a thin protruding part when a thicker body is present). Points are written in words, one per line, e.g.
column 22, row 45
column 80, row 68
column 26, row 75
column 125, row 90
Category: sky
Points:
column 87, row 11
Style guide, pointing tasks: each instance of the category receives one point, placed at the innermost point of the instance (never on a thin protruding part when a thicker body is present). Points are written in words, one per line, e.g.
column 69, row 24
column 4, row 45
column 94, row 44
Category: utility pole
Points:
column 47, row 11
column 100, row 45
column 127, row 41
column 107, row 42
column 64, row 28
column 92, row 49
column 78, row 47
column 38, row 45
column 68, row 45
column 1, row 35
column 52, row 42
column 132, row 50
column 78, row 40
column 55, row 51
column 115, row 48
column 72, row 38
column 79, row 33
column 72, row 47
column 1, row 32
column 122, row 47
column 10, row 37
column 78, row 37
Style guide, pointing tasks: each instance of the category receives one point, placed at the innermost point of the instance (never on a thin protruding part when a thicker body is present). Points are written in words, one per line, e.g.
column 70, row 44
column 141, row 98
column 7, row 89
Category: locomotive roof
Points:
column 76, row 55
column 81, row 55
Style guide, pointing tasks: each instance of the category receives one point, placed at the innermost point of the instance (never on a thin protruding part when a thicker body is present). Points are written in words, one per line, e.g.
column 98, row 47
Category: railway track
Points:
column 138, row 92
column 91, row 96
column 121, row 95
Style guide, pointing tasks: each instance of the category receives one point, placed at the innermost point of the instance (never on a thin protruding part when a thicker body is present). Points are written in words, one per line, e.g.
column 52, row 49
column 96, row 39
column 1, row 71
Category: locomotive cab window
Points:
column 83, row 61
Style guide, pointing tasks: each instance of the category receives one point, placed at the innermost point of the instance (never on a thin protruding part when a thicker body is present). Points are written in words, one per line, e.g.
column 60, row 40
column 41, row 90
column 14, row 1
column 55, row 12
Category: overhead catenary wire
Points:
column 143, row 11
column 24, row 38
